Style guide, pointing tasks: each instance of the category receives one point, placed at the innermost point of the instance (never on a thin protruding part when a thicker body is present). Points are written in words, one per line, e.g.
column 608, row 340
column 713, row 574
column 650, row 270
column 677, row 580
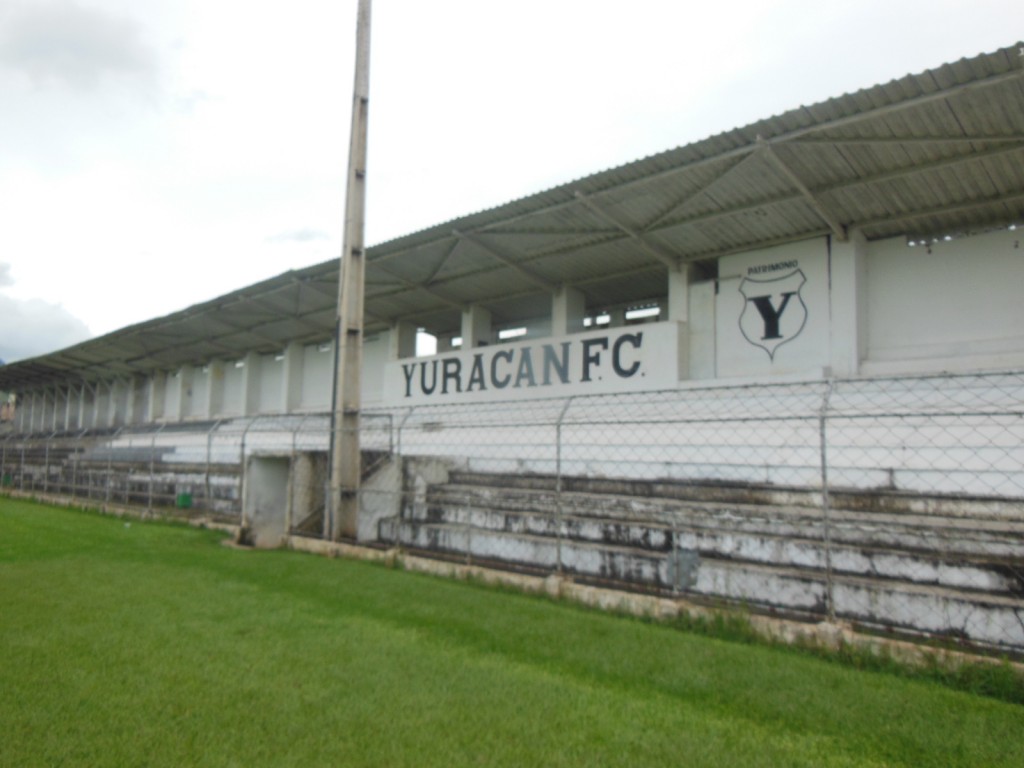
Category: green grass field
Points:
column 132, row 644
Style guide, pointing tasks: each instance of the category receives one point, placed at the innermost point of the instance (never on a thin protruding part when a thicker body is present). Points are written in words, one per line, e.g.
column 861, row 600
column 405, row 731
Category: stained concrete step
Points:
column 887, row 603
column 767, row 547
column 950, row 536
column 873, row 501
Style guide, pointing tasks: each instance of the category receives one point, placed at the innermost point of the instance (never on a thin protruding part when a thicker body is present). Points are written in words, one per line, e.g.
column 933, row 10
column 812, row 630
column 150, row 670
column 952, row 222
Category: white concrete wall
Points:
column 800, row 344
column 637, row 358
column 702, row 330
column 270, row 398
column 853, row 309
column 231, row 396
column 198, row 400
column 317, row 378
column 953, row 305
column 375, row 356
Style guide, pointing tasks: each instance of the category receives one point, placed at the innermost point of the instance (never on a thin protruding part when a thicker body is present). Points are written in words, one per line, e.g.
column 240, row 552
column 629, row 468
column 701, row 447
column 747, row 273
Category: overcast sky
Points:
column 159, row 153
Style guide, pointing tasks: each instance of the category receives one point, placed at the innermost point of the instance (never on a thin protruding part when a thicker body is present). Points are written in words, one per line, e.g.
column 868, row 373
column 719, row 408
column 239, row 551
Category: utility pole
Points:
column 343, row 506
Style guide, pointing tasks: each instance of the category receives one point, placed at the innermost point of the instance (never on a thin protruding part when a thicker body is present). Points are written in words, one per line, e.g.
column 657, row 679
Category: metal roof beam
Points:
column 552, row 232
column 845, row 185
column 799, row 134
column 444, row 260
column 899, row 106
column 838, row 229
column 1011, row 138
column 508, row 261
column 409, row 285
column 700, row 192
column 941, row 210
column 662, row 255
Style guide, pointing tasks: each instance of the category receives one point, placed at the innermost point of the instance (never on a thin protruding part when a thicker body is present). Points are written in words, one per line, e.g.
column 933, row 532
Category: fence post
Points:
column 46, row 465
column 110, row 471
column 153, row 460
column 398, row 452
column 241, row 473
column 830, row 606
column 289, row 508
column 206, row 479
column 74, row 466
column 558, row 483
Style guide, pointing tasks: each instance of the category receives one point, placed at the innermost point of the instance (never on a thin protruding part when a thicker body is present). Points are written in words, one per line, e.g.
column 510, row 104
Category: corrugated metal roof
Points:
column 935, row 153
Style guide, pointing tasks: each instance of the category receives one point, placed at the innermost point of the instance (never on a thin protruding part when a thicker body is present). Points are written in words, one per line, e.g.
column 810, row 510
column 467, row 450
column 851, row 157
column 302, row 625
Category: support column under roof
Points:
column 476, row 327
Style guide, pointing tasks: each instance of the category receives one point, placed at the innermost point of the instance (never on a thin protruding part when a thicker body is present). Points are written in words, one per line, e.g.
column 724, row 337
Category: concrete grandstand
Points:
column 782, row 367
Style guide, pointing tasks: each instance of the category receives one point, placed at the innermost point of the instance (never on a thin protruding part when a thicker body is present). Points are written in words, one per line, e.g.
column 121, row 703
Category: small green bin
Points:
column 184, row 501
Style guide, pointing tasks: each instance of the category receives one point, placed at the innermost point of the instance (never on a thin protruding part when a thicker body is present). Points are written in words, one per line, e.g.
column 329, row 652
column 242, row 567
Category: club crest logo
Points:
column 773, row 310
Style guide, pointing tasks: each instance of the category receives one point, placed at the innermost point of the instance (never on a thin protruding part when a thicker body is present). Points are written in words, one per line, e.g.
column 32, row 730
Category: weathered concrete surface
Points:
column 935, row 572
column 265, row 500
column 380, row 498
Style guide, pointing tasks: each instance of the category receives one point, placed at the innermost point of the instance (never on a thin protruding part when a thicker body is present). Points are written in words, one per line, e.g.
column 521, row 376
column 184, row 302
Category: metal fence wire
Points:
column 894, row 504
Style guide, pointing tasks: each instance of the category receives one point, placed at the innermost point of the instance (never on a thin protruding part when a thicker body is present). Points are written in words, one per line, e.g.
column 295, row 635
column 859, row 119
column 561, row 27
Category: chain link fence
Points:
column 894, row 504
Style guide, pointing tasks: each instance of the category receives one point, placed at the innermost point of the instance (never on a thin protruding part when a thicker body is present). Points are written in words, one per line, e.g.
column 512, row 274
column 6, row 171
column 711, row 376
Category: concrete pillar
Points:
column 60, row 409
column 70, row 409
column 130, row 400
column 568, row 308
column 250, row 384
column 118, row 410
column 173, row 391
column 157, row 393
column 476, row 327
column 30, row 412
column 20, row 413
column 84, row 413
column 307, row 488
column 617, row 318
column 679, row 293
column 402, row 341
column 49, row 408
column 136, row 405
column 291, row 383
column 848, row 328
column 214, row 389
column 183, row 394
column 445, row 343
column 99, row 404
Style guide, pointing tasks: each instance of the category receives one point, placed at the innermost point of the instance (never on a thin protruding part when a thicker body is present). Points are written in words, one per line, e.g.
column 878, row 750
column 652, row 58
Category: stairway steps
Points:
column 865, row 501
column 982, row 573
column 802, row 591
column 948, row 536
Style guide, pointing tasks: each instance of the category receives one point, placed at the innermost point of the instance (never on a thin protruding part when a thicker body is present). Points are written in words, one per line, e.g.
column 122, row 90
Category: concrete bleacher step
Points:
column 882, row 602
column 892, row 565
column 951, row 537
column 760, row 545
column 879, row 500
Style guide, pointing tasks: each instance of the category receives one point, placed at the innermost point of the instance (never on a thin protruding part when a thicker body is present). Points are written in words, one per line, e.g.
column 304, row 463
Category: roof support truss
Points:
column 670, row 260
column 838, row 229
column 510, row 262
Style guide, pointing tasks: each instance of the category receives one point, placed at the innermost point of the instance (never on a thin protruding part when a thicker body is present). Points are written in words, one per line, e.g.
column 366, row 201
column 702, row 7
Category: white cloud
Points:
column 63, row 42
column 305, row 235
column 202, row 148
column 34, row 327
column 31, row 327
